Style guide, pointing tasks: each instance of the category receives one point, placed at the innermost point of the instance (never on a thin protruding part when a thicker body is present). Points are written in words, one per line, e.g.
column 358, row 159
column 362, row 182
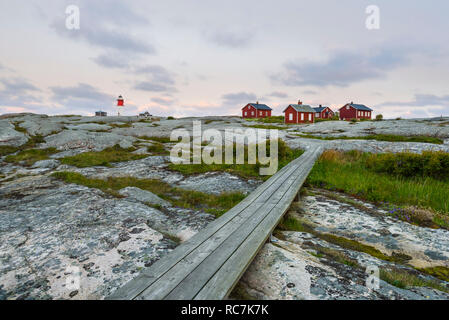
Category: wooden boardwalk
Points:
column 209, row 265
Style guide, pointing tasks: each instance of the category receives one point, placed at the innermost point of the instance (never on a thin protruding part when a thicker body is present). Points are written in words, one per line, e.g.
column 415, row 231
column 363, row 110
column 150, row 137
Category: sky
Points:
column 207, row 57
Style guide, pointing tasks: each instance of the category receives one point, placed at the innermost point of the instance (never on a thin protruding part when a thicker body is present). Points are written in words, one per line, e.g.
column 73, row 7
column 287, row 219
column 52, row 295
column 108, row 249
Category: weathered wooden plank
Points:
column 136, row 286
column 171, row 278
column 193, row 282
column 223, row 281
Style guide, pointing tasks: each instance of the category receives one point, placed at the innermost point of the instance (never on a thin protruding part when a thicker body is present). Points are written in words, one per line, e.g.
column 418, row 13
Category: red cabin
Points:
column 120, row 101
column 299, row 113
column 355, row 111
column 323, row 112
column 256, row 110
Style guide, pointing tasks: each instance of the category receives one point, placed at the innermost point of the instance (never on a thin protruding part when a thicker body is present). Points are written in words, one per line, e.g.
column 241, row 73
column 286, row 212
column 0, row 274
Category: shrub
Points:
column 406, row 164
column 379, row 117
column 170, row 118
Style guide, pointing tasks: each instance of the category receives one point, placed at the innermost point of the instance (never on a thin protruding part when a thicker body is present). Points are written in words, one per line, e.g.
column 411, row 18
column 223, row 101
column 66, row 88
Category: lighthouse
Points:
column 120, row 103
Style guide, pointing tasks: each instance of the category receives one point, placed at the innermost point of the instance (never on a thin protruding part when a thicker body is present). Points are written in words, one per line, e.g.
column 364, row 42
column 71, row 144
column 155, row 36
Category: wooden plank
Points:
column 224, row 280
column 171, row 278
column 194, row 281
column 136, row 286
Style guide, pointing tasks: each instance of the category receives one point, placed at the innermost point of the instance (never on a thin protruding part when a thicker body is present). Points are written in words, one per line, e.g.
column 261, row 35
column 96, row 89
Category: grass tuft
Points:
column 30, row 156
column 354, row 173
column 216, row 204
column 102, row 158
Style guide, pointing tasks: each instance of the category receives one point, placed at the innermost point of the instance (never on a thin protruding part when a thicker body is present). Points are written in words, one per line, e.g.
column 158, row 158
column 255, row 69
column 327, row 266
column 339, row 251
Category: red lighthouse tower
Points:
column 120, row 103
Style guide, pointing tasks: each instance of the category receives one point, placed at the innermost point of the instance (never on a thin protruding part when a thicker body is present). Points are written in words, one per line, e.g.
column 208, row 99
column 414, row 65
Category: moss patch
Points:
column 405, row 280
column 285, row 156
column 379, row 137
column 30, row 156
column 216, row 204
column 102, row 158
column 292, row 223
column 439, row 272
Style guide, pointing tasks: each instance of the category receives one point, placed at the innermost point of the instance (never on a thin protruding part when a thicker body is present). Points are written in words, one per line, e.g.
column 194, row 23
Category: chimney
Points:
column 320, row 105
column 257, row 102
column 352, row 102
column 299, row 102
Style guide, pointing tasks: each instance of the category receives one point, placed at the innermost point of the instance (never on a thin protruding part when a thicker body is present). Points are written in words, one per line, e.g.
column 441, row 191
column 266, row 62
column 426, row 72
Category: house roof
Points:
column 319, row 109
column 359, row 107
column 301, row 108
column 260, row 106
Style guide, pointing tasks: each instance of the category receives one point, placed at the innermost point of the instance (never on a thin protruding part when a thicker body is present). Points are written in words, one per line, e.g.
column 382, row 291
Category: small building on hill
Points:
column 145, row 115
column 256, row 110
column 323, row 112
column 355, row 111
column 299, row 113
column 101, row 114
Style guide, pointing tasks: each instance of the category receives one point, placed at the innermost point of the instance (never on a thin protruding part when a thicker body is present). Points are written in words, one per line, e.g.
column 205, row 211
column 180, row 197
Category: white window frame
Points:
column 290, row 116
column 310, row 117
column 302, row 116
column 246, row 113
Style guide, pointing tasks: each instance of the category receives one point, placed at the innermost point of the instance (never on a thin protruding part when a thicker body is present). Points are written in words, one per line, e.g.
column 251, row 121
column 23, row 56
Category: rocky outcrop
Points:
column 9, row 136
column 305, row 265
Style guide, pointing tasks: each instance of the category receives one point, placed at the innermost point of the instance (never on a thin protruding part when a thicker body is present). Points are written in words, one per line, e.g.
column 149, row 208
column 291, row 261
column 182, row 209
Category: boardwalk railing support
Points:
column 210, row 264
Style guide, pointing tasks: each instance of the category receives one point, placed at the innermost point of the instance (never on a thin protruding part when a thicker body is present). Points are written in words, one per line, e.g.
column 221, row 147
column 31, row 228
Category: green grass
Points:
column 102, row 158
column 4, row 150
column 439, row 272
column 285, row 155
column 272, row 119
column 215, row 204
column 158, row 149
column 157, row 139
column 379, row 137
column 405, row 280
column 263, row 126
column 348, row 173
column 292, row 223
column 31, row 143
column 30, row 156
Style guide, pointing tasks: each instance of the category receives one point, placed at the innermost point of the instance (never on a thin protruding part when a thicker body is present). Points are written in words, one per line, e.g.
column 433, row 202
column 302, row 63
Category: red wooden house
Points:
column 355, row 111
column 323, row 112
column 299, row 113
column 256, row 110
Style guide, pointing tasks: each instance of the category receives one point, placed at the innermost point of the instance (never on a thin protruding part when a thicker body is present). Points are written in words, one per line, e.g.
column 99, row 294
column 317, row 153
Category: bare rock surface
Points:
column 291, row 267
column 80, row 139
column 9, row 136
column 143, row 196
column 47, row 226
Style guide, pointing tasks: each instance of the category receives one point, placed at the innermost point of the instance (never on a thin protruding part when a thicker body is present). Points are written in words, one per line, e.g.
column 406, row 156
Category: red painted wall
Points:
column 353, row 113
column 257, row 113
column 296, row 118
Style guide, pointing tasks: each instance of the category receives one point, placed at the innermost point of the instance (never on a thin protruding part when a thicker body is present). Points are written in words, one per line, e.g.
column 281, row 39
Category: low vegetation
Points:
column 400, row 278
column 102, row 158
column 358, row 174
column 379, row 137
column 214, row 204
column 285, row 155
column 29, row 156
column 32, row 142
column 404, row 280
column 272, row 119
column 263, row 126
column 156, row 138
column 292, row 223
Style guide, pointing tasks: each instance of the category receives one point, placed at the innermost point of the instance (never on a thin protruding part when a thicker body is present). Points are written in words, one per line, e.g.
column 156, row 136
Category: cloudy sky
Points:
column 210, row 57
